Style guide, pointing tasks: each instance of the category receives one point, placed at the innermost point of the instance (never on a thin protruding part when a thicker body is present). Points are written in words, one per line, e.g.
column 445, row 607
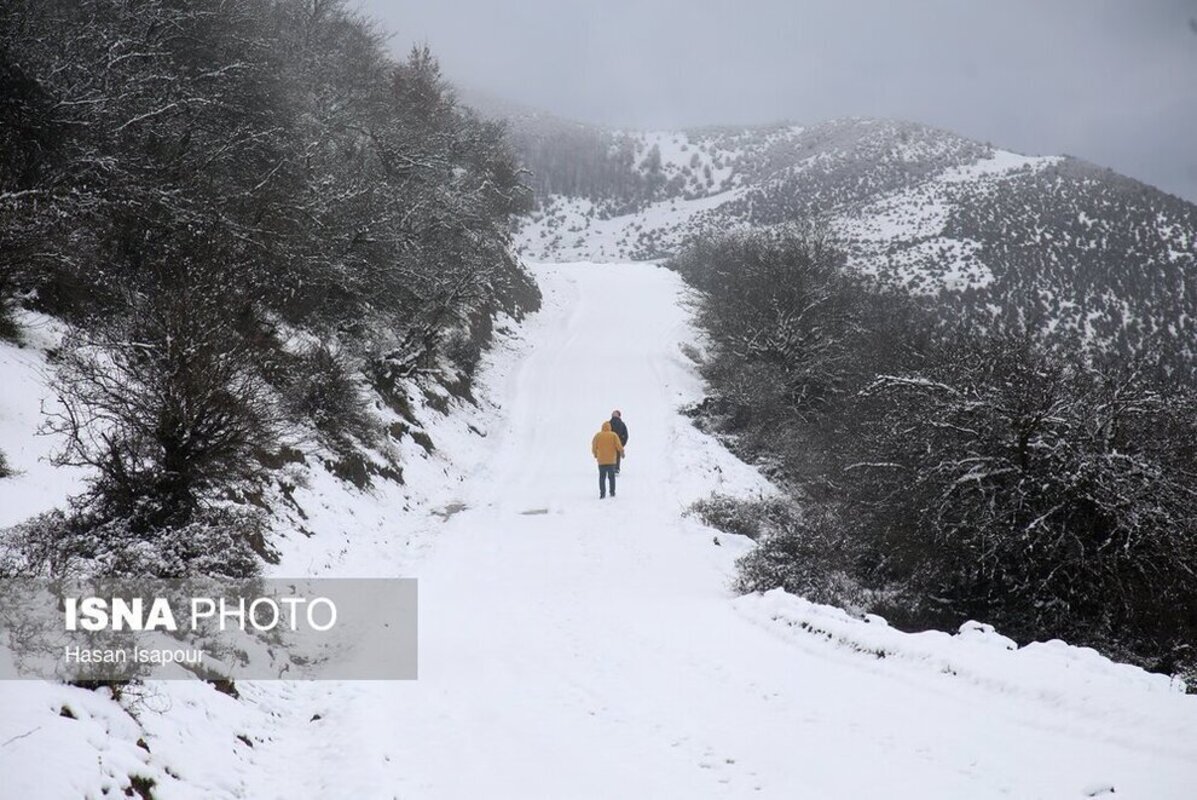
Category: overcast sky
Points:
column 1111, row 81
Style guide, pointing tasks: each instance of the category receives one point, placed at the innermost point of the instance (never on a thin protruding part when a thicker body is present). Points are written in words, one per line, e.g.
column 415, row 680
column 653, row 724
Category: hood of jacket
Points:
column 606, row 426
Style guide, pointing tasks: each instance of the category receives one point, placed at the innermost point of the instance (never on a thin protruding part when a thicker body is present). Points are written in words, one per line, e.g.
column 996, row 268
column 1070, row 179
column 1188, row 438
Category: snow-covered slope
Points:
column 680, row 182
column 36, row 485
column 572, row 647
column 982, row 231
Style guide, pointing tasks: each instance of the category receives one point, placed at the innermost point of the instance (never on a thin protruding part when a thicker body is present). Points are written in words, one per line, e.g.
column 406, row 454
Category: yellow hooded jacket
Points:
column 606, row 445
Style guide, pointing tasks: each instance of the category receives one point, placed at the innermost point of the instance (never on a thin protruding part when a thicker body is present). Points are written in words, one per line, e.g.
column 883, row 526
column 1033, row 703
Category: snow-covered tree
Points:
column 246, row 209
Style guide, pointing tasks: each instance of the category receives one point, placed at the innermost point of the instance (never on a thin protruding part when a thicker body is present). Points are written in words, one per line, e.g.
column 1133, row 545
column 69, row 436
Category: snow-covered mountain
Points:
column 984, row 231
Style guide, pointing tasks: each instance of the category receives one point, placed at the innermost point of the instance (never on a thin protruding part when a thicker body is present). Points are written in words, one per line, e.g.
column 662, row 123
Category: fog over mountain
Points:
column 1109, row 82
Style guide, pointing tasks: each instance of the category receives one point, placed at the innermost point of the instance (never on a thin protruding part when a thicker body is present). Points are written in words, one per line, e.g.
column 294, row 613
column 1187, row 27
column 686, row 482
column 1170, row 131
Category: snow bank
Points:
column 1052, row 672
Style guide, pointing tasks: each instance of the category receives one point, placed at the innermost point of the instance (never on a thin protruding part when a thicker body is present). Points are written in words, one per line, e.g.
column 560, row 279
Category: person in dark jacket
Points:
column 621, row 430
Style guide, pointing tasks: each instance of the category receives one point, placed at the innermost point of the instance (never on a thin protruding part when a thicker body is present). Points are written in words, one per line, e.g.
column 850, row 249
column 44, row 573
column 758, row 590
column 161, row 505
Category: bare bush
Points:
column 163, row 402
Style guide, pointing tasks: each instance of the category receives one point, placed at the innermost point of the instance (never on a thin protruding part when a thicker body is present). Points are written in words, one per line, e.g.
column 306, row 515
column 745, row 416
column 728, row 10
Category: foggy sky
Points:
column 1111, row 81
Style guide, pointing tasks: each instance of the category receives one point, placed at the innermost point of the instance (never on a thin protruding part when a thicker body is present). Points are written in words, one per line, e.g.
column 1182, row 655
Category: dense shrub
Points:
column 1002, row 482
column 791, row 333
column 217, row 542
column 946, row 472
column 806, row 552
column 196, row 188
column 751, row 518
column 815, row 556
column 780, row 312
column 323, row 385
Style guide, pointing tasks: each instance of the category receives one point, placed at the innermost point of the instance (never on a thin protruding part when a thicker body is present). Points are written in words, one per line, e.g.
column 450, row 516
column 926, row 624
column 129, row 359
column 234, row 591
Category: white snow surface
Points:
column 578, row 648
column 569, row 227
column 916, row 218
column 36, row 485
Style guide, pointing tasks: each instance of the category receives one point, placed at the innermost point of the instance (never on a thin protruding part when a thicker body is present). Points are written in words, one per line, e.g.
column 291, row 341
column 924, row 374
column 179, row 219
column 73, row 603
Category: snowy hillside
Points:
column 572, row 647
column 690, row 179
column 980, row 230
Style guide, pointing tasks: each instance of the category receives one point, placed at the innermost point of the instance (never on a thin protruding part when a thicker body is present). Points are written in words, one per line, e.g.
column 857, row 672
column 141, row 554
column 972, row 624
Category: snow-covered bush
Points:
column 781, row 312
column 322, row 386
column 216, row 542
column 949, row 473
column 1049, row 497
column 34, row 548
column 806, row 553
column 751, row 518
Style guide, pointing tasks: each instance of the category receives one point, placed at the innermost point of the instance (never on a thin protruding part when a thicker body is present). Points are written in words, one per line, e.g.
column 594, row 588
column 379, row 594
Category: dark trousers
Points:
column 606, row 471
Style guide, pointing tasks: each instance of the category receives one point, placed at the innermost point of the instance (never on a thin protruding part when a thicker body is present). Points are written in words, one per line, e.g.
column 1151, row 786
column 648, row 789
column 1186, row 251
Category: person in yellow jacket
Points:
column 607, row 450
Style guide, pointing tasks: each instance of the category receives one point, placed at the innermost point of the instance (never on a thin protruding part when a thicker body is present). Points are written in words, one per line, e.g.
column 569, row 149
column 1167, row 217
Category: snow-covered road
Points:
column 572, row 647
column 578, row 648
